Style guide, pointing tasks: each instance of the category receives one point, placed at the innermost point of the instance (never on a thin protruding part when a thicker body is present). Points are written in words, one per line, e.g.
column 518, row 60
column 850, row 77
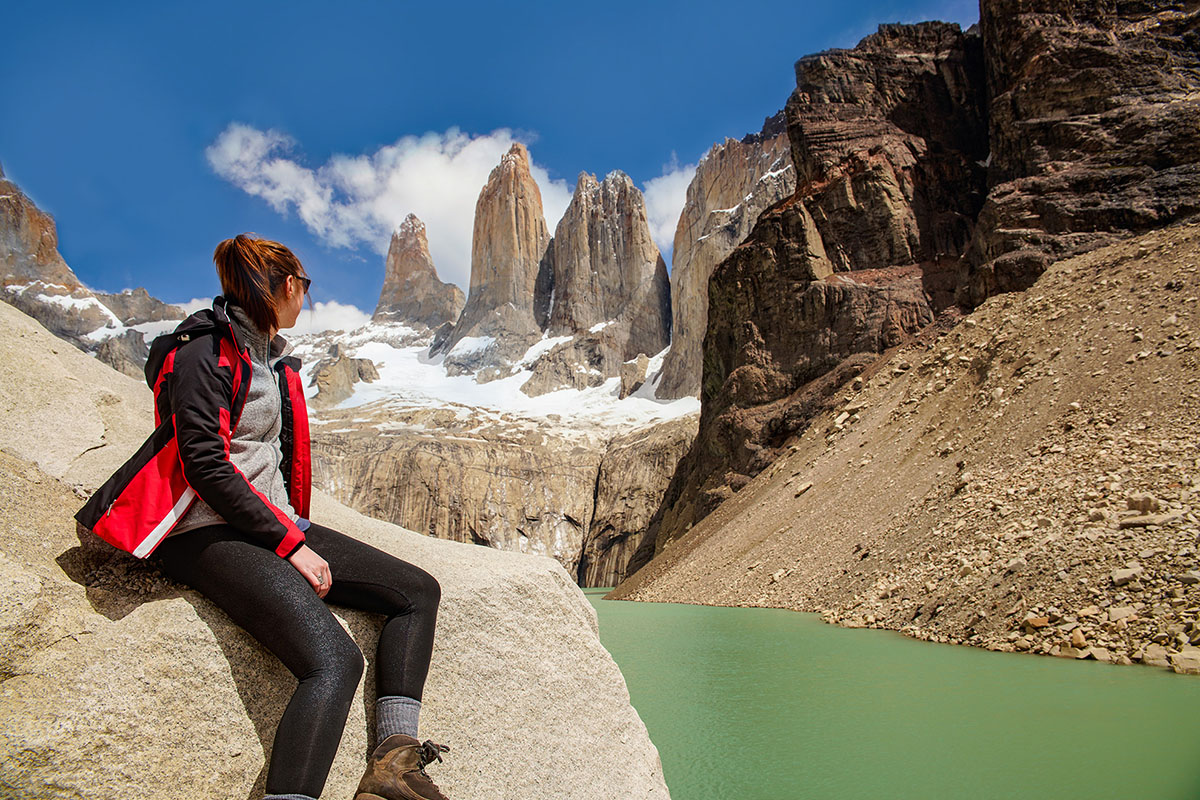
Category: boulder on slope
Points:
column 117, row 683
column 335, row 376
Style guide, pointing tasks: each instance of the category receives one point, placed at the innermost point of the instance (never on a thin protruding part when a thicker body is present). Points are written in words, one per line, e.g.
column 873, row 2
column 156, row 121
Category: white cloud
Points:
column 665, row 196
column 331, row 316
column 353, row 201
column 195, row 304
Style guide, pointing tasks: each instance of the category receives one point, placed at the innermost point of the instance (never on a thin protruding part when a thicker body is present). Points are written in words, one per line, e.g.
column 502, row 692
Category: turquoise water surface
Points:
column 774, row 705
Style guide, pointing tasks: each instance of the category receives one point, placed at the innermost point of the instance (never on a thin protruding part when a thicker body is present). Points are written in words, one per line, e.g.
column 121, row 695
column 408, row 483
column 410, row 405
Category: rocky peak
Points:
column 508, row 244
column 29, row 243
column 412, row 292
column 773, row 126
column 603, row 284
column 734, row 182
column 35, row 278
column 607, row 269
column 136, row 306
column 412, row 229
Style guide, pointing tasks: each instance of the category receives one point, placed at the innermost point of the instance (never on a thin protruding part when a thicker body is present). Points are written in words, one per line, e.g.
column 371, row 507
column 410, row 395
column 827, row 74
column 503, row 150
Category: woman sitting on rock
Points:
column 219, row 494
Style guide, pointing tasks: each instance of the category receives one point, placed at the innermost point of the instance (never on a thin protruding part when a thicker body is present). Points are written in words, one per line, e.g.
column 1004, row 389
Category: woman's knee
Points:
column 422, row 590
column 342, row 659
column 431, row 590
column 413, row 589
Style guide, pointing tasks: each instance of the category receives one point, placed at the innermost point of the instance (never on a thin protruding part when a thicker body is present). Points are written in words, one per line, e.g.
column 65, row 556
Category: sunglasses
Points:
column 307, row 282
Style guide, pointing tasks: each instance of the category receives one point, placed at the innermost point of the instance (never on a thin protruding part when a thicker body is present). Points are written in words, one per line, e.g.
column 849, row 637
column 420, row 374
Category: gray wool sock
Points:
column 396, row 714
column 287, row 797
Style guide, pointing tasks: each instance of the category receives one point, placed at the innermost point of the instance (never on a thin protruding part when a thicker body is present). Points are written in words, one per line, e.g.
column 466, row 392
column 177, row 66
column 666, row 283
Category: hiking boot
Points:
column 396, row 770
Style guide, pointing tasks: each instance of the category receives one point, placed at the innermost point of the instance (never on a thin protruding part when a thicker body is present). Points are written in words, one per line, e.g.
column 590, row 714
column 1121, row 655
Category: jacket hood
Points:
column 204, row 322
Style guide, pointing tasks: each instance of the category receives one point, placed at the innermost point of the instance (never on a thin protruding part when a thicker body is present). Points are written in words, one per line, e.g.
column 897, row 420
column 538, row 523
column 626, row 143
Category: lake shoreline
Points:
column 810, row 705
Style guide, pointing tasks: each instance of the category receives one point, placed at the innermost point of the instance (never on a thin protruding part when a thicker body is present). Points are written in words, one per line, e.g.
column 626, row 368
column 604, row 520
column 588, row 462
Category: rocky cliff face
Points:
column 1094, row 131
column 35, row 278
column 913, row 194
column 119, row 683
column 136, row 307
column 502, row 481
column 889, row 140
column 497, row 324
column 412, row 292
column 734, row 182
column 29, row 242
column 633, row 475
column 886, row 140
column 582, row 361
column 459, row 474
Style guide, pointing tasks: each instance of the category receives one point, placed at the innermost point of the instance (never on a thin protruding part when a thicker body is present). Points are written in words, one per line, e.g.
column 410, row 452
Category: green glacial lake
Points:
column 762, row 704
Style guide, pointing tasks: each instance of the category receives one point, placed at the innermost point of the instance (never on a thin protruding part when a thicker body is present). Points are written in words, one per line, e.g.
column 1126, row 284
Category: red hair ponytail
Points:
column 251, row 270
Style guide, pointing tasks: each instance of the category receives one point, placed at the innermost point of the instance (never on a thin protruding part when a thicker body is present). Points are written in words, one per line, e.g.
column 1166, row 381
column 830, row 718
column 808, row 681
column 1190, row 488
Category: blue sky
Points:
column 154, row 130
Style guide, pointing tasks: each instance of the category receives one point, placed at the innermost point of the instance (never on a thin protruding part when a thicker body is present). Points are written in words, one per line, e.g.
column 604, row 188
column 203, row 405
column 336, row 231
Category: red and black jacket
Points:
column 200, row 376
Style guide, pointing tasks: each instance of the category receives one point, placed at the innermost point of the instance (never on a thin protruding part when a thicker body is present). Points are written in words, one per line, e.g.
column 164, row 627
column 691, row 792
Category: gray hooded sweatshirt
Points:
column 254, row 448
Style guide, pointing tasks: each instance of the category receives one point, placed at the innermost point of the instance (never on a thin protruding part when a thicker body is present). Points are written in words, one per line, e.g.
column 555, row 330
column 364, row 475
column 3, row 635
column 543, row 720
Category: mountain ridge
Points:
column 1021, row 479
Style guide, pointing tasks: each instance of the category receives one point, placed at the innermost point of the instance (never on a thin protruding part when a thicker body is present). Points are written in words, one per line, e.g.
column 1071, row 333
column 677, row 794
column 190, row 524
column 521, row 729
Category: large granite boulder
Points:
column 118, row 683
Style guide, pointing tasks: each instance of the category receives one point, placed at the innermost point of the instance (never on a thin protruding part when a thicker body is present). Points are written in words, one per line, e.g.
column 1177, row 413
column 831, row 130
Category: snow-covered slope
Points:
column 410, row 377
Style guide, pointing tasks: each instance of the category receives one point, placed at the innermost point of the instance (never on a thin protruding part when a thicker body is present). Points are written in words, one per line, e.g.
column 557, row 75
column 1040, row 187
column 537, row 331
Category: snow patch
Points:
column 149, row 330
column 541, row 347
column 471, row 344
column 80, row 304
column 773, row 173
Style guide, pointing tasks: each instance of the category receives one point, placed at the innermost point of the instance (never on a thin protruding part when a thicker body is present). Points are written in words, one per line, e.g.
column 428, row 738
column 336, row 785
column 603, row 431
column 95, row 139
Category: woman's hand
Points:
column 314, row 569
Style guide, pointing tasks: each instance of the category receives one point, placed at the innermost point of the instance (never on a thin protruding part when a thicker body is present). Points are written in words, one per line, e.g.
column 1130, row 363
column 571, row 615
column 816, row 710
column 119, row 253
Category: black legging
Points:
column 266, row 596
